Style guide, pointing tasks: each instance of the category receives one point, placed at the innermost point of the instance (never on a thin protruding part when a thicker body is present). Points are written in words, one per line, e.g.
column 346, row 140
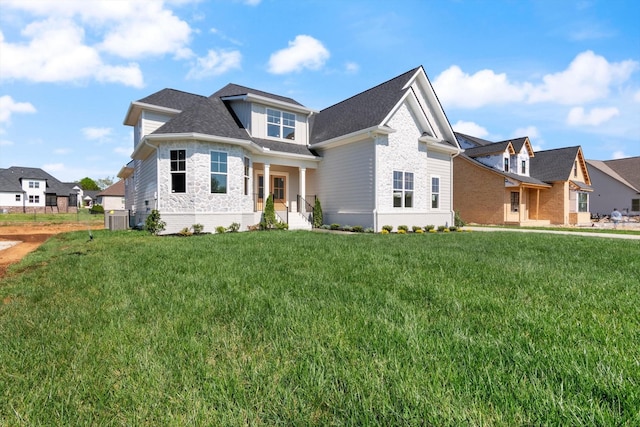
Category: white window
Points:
column 17, row 197
column 435, row 192
column 402, row 189
column 583, row 202
column 218, row 172
column 281, row 124
column 247, row 164
column 178, row 171
column 34, row 184
column 34, row 199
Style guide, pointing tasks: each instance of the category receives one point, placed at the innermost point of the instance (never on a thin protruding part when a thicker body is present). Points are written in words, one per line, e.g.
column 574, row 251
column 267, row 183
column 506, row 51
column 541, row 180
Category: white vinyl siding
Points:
column 439, row 164
column 259, row 125
column 346, row 178
column 152, row 121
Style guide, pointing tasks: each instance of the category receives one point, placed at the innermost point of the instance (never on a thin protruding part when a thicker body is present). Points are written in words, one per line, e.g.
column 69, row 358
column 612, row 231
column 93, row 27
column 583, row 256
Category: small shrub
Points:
column 384, row 231
column 453, row 228
column 269, row 214
column 358, row 229
column 197, row 228
column 457, row 220
column 317, row 214
column 428, row 227
column 325, row 227
column 415, row 228
column 185, row 232
column 441, row 228
column 418, row 230
column 335, row 226
column 153, row 224
column 402, row 231
column 432, row 230
column 403, row 228
column 233, row 228
column 389, row 228
column 281, row 226
column 446, row 230
column 97, row 209
column 347, row 228
column 369, row 230
column 220, row 229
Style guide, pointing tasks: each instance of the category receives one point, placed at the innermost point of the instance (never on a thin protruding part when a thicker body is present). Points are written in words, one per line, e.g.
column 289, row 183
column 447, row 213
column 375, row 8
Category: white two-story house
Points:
column 381, row 157
column 507, row 182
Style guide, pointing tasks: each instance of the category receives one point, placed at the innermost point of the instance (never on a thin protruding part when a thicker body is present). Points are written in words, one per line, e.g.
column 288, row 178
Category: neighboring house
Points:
column 508, row 183
column 112, row 197
column 27, row 190
column 383, row 156
column 616, row 184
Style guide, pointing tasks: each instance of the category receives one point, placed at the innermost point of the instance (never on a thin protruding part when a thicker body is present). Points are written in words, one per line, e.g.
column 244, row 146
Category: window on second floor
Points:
column 506, row 164
column 34, row 184
column 524, row 167
column 281, row 124
column 575, row 169
column 178, row 171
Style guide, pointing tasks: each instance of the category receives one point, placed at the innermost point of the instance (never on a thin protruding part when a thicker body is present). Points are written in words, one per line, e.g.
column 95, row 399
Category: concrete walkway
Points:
column 571, row 233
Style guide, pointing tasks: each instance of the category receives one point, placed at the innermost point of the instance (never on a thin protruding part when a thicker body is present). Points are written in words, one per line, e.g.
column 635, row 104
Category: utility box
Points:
column 116, row 220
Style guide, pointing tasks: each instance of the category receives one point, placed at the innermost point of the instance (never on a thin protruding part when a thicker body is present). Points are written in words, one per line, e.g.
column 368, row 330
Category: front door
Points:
column 279, row 193
column 278, row 189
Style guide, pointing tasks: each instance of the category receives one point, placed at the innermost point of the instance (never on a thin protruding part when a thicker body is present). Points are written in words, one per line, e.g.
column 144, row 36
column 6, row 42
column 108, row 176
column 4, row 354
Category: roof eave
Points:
column 250, row 97
column 135, row 109
column 354, row 136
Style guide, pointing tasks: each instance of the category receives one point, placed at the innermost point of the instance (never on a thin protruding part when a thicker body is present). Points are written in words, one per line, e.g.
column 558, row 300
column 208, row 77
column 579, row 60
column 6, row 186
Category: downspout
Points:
column 375, row 184
column 144, row 141
column 453, row 212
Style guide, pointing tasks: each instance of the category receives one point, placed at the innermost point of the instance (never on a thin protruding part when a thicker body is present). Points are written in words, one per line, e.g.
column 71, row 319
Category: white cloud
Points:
column 303, row 52
column 96, row 133
column 5, row 143
column 618, row 155
column 530, row 131
column 636, row 96
column 76, row 40
column 147, row 30
column 470, row 128
column 62, row 151
column 8, row 106
column 352, row 67
column 215, row 63
column 578, row 117
column 588, row 78
column 458, row 89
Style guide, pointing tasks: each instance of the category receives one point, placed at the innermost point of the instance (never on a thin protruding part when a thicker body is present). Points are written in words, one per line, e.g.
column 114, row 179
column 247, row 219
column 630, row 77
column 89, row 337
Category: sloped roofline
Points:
column 603, row 167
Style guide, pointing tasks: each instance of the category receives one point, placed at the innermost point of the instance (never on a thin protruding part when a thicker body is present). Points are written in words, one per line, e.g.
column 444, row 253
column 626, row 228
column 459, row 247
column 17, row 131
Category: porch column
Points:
column 303, row 194
column 521, row 206
column 537, row 203
column 267, row 184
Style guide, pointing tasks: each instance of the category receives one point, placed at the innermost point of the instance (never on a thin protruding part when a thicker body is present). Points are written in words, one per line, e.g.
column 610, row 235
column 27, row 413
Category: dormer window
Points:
column 506, row 164
column 524, row 167
column 281, row 124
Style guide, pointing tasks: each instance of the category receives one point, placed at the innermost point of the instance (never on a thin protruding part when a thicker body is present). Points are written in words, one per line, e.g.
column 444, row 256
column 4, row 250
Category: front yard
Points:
column 299, row 328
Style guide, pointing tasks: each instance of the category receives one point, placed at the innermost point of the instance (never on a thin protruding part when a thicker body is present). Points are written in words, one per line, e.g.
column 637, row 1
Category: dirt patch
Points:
column 30, row 236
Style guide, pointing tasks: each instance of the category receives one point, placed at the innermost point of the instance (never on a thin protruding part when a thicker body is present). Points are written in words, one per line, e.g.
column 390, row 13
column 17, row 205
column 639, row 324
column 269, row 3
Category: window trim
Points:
column 515, row 202
column 406, row 179
column 585, row 203
column 177, row 169
column 224, row 173
column 280, row 123
column 435, row 193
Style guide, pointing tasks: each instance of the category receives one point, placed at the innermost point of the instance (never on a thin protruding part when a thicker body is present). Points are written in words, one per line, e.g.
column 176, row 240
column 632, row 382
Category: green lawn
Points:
column 82, row 215
column 299, row 328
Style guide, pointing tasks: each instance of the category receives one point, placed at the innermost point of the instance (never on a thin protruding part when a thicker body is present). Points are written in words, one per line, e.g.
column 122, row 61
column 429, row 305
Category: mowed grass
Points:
column 300, row 328
column 83, row 215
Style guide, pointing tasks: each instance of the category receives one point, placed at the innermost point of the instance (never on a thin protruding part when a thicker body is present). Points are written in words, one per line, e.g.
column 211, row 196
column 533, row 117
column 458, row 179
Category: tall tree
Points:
column 87, row 183
column 105, row 182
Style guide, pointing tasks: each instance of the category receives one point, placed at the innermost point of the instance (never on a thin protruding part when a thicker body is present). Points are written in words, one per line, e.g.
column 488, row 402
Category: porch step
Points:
column 297, row 221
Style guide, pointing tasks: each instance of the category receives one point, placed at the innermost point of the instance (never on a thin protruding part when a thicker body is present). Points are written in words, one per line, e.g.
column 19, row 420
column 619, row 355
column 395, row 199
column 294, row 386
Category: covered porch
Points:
column 522, row 205
column 293, row 188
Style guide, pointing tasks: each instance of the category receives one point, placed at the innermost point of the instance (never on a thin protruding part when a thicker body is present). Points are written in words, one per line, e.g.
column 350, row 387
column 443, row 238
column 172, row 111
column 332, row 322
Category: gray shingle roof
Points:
column 554, row 165
column 628, row 168
column 171, row 98
column 362, row 111
column 10, row 180
column 512, row 176
column 284, row 147
column 236, row 90
column 208, row 116
column 483, row 150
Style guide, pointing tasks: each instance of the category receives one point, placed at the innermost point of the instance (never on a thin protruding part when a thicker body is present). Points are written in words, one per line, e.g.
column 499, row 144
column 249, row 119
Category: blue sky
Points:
column 562, row 72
